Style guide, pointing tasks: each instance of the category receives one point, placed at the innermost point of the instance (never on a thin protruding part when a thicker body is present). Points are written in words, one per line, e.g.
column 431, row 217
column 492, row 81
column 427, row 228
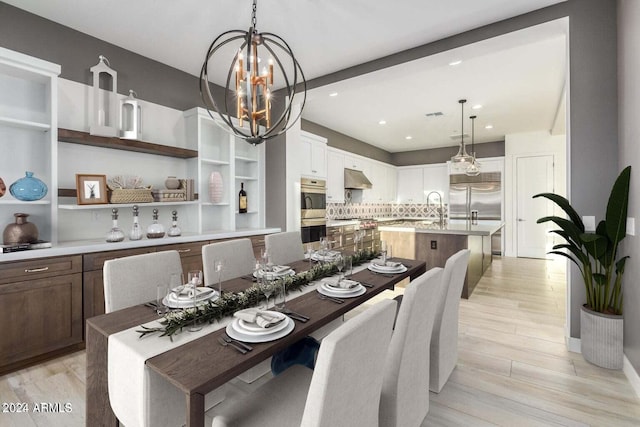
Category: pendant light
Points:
column 461, row 160
column 474, row 168
column 247, row 93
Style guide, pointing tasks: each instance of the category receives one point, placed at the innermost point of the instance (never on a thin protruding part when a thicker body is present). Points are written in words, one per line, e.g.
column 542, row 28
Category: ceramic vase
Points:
column 215, row 187
column 28, row 188
column 3, row 188
column 172, row 183
column 21, row 231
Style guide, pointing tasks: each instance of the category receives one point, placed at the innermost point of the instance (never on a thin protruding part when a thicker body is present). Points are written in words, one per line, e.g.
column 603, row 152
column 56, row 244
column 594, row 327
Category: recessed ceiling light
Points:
column 458, row 62
column 333, row 94
column 408, row 137
column 488, row 127
column 476, row 107
column 382, row 122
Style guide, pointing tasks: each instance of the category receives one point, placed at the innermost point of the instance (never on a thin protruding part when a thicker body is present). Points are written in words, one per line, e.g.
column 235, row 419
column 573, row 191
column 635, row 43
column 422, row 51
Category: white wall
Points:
column 522, row 145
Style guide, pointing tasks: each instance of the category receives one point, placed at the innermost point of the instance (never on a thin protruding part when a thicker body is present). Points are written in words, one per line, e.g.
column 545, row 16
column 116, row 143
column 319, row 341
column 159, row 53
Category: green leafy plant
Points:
column 595, row 253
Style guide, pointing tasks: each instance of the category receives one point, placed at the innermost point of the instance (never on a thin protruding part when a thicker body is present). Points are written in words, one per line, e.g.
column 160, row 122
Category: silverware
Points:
column 333, row 299
column 296, row 316
column 366, row 285
column 232, row 344
column 230, row 340
column 151, row 305
column 382, row 274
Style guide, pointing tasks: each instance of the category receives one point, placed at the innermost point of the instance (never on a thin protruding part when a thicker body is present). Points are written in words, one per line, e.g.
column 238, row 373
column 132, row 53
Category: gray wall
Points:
column 443, row 154
column 629, row 149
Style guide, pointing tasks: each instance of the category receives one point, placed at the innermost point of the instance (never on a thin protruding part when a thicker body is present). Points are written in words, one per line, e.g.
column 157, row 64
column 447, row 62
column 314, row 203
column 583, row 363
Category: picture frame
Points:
column 91, row 189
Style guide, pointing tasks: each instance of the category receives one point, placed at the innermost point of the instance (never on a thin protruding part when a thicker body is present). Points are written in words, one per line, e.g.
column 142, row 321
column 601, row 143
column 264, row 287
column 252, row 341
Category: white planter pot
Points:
column 601, row 338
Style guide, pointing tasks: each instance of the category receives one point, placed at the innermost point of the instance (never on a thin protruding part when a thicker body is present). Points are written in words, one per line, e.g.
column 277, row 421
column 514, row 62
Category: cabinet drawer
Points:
column 95, row 261
column 39, row 268
column 185, row 249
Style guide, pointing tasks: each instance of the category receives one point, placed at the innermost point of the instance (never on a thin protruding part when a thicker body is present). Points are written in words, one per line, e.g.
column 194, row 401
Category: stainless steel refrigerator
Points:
column 483, row 194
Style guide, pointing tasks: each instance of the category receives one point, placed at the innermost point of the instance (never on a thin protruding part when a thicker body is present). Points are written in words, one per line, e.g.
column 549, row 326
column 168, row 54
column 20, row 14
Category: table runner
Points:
column 138, row 395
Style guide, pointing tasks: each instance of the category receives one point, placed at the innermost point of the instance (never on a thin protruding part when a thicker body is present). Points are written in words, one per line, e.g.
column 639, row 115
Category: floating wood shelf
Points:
column 84, row 138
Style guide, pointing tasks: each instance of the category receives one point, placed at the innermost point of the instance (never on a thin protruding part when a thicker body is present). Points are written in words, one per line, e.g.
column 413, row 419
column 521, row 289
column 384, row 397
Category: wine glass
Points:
column 267, row 287
column 339, row 261
column 309, row 252
column 324, row 244
column 356, row 239
column 383, row 251
column 195, row 280
column 218, row 267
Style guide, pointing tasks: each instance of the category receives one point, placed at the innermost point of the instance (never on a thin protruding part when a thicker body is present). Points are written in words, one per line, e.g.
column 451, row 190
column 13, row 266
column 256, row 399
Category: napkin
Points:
column 259, row 317
column 280, row 268
column 187, row 291
column 344, row 283
column 388, row 264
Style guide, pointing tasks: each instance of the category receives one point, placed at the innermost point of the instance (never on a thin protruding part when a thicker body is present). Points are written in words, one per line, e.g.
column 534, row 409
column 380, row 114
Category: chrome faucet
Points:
column 440, row 210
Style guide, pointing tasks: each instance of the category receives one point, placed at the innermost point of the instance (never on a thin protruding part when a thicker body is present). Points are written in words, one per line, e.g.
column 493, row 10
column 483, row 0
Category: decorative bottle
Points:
column 242, row 199
column 115, row 234
column 174, row 231
column 155, row 230
column 28, row 188
column 136, row 230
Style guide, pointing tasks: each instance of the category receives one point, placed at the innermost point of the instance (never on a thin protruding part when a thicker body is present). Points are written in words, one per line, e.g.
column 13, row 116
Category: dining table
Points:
column 177, row 366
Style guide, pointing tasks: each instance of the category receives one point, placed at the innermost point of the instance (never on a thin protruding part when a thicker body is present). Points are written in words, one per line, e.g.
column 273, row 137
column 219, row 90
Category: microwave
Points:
column 313, row 198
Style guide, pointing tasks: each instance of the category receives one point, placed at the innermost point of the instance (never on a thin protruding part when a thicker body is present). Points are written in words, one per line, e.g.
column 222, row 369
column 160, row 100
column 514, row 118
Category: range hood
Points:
column 355, row 180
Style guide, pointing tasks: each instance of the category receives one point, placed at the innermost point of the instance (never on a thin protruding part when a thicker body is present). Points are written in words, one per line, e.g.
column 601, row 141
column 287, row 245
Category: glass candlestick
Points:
column 136, row 230
column 115, row 234
column 155, row 230
column 174, row 231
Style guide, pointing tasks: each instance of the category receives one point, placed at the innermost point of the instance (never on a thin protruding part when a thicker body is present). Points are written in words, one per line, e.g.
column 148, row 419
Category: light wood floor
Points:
column 513, row 367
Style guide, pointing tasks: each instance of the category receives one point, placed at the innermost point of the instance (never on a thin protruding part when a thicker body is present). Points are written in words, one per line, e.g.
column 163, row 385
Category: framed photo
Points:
column 91, row 189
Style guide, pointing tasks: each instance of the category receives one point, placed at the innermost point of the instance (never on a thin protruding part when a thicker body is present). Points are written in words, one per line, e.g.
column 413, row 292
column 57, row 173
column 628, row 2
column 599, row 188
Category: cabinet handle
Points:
column 35, row 270
column 314, row 171
column 183, row 251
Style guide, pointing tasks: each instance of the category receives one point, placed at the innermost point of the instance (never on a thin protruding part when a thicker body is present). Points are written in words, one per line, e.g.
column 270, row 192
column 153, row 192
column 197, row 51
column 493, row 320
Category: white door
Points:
column 534, row 175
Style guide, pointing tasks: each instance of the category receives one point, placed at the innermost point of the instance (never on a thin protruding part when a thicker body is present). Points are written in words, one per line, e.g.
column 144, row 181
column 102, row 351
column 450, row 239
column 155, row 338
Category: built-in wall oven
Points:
column 313, row 204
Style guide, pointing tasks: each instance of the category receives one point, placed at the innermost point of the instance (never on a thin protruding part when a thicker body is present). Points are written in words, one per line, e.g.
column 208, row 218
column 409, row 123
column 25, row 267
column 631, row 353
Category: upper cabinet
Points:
column 411, row 184
column 436, row 178
column 335, row 176
column 28, row 135
column 383, row 183
column 314, row 155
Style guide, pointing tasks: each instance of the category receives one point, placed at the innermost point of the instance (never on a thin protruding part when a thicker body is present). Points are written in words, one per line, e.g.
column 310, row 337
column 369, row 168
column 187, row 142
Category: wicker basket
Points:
column 130, row 195
column 169, row 195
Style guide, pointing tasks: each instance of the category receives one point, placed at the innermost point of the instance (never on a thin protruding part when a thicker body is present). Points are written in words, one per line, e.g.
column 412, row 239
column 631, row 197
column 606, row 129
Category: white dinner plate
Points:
column 282, row 273
column 325, row 290
column 183, row 301
column 253, row 329
column 390, row 270
column 237, row 335
column 330, row 256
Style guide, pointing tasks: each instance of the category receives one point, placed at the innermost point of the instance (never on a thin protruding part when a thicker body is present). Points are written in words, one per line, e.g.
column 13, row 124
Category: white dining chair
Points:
column 343, row 390
column 444, row 338
column 404, row 401
column 237, row 257
column 133, row 280
column 284, row 247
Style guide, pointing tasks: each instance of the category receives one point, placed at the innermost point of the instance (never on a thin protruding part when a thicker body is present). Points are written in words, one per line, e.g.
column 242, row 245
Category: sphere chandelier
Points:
column 248, row 90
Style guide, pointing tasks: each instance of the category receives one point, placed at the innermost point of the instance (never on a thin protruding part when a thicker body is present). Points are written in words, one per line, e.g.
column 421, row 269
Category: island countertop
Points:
column 483, row 228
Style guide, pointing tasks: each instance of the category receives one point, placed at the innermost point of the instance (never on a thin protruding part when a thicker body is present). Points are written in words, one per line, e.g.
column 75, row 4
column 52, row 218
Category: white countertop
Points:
column 483, row 228
column 88, row 246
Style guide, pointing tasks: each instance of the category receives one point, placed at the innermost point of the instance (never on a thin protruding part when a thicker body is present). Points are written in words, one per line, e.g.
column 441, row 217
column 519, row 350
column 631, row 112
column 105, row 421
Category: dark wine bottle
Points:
column 242, row 199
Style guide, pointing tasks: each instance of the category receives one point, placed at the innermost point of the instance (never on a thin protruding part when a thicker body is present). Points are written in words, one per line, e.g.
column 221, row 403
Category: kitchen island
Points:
column 428, row 241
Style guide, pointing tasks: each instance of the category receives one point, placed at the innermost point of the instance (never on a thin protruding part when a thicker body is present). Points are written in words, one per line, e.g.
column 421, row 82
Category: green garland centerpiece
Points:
column 230, row 302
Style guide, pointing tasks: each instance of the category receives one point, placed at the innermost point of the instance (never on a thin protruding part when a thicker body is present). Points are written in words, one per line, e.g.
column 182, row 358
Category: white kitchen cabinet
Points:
column 335, row 177
column 377, row 174
column 410, row 185
column 357, row 163
column 314, row 155
column 29, row 136
column 391, row 190
column 436, row 178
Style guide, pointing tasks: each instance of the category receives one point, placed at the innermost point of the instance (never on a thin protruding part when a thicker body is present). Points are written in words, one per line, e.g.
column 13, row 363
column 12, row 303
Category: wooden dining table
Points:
column 176, row 365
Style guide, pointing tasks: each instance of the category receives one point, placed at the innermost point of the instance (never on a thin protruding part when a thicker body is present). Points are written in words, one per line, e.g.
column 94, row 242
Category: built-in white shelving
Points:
column 121, row 205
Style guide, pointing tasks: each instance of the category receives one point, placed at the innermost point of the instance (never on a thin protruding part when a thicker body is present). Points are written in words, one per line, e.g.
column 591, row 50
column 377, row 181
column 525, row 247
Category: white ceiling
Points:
column 518, row 78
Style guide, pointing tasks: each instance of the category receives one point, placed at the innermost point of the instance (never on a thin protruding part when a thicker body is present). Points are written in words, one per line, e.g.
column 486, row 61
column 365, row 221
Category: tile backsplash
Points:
column 382, row 210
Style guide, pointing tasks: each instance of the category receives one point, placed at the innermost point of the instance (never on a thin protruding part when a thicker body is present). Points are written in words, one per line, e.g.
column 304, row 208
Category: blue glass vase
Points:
column 28, row 188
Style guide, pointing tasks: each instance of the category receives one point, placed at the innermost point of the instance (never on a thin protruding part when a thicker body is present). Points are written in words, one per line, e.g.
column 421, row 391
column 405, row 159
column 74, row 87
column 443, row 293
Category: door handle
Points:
column 521, row 220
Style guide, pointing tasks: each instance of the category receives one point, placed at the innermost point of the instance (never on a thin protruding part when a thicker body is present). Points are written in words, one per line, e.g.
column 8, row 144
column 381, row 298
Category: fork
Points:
column 336, row 300
column 230, row 340
column 232, row 344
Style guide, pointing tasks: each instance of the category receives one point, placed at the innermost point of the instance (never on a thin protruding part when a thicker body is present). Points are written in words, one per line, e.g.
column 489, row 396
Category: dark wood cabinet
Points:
column 40, row 309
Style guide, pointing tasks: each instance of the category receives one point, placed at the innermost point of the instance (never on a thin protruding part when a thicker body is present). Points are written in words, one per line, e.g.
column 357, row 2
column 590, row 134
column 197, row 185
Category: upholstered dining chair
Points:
column 404, row 401
column 343, row 390
column 132, row 280
column 444, row 338
column 284, row 247
column 237, row 256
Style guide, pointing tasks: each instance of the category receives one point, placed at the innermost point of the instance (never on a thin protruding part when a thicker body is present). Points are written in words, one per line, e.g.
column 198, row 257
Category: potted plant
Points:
column 596, row 255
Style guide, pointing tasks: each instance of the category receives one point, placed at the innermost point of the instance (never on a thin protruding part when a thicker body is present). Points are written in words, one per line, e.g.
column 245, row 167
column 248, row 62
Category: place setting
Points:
column 339, row 286
column 185, row 295
column 256, row 325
